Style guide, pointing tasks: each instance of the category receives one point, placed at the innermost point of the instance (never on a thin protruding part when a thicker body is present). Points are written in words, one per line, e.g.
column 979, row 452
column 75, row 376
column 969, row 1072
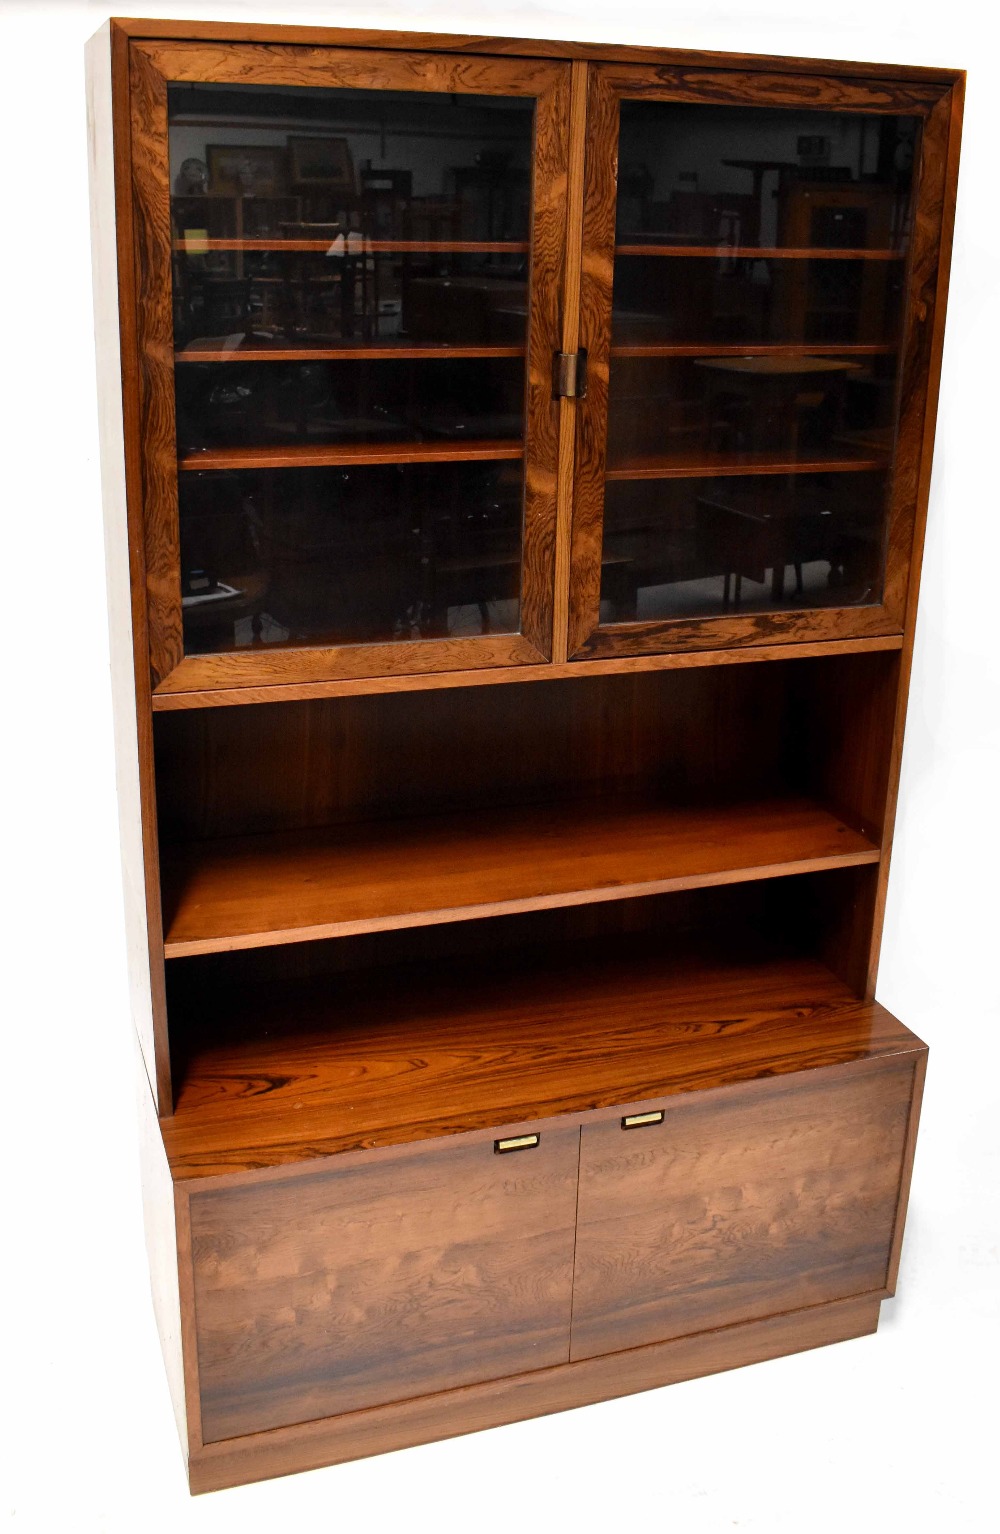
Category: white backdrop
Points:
column 894, row 1432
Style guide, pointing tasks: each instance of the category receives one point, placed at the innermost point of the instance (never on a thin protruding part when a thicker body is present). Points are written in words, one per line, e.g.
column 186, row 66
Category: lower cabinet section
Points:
column 740, row 1203
column 373, row 1281
column 442, row 1286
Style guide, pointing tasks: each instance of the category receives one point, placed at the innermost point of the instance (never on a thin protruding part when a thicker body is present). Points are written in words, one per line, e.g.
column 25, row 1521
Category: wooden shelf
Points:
column 761, row 252
column 349, row 351
column 375, row 1059
column 362, row 247
column 774, row 349
column 257, row 891
column 704, row 465
column 318, row 455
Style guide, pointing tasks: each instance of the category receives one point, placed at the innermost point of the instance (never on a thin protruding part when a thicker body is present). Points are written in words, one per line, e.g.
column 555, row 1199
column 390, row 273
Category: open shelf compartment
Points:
column 315, row 1050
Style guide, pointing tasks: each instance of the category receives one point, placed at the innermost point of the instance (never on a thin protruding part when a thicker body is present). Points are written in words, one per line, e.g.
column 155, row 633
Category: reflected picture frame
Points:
column 249, row 170
column 321, row 164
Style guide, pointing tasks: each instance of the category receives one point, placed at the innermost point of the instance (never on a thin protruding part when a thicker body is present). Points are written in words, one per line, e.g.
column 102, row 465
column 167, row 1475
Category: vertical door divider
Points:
column 570, row 342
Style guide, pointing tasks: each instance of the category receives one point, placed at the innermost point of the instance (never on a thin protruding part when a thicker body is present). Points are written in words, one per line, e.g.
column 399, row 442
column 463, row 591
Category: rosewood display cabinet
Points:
column 516, row 462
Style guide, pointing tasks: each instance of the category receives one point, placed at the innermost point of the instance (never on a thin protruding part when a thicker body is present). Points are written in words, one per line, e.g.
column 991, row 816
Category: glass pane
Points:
column 756, row 322
column 350, row 283
column 696, row 548
column 349, row 555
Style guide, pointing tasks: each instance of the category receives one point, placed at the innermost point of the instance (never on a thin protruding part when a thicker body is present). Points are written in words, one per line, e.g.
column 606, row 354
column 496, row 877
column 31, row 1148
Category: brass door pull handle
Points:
column 516, row 1142
column 639, row 1120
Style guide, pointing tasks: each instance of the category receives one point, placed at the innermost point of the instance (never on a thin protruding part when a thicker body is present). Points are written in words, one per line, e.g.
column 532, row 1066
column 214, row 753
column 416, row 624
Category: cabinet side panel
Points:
column 950, row 109
column 161, row 1245
column 126, row 609
column 388, row 1278
column 742, row 1203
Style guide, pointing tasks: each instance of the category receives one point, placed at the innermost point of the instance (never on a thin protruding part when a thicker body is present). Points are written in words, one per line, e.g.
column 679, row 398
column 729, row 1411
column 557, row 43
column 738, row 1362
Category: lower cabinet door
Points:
column 381, row 1278
column 741, row 1203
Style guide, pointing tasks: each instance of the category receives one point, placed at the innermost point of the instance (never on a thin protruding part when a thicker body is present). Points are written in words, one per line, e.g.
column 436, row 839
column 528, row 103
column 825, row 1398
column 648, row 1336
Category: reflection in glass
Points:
column 756, row 321
column 349, row 555
column 750, row 300
column 331, row 401
column 730, row 545
column 350, row 273
column 329, row 216
column 763, row 177
column 785, row 407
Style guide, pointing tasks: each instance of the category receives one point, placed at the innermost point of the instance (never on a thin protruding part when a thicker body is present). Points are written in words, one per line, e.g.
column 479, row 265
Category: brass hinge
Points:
column 569, row 375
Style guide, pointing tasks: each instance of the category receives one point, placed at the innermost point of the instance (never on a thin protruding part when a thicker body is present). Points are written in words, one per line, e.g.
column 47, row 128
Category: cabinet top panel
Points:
column 524, row 47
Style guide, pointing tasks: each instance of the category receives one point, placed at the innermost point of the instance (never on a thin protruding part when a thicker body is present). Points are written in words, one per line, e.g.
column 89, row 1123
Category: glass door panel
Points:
column 746, row 362
column 351, row 455
column 350, row 320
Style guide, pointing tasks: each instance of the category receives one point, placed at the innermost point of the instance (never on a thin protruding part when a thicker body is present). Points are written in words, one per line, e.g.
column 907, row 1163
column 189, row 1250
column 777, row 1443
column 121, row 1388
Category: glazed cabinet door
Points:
column 735, row 1204
column 759, row 279
column 380, row 1278
column 348, row 271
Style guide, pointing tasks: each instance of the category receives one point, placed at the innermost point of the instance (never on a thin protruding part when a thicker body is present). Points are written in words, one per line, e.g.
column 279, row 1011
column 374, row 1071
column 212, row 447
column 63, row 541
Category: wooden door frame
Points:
column 609, row 85
column 152, row 65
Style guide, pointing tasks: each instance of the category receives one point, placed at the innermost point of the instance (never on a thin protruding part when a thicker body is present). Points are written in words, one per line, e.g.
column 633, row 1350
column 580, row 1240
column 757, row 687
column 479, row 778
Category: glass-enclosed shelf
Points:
column 350, row 314
column 755, row 333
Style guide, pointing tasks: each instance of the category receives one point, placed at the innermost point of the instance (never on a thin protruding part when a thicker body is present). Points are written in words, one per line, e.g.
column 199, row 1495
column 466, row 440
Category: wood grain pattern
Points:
column 765, row 629
column 250, row 669
column 608, row 85
column 946, row 142
column 405, row 756
column 909, row 1150
column 570, row 344
column 449, row 1414
column 257, row 891
column 915, row 359
column 375, row 1281
column 733, row 85
column 548, row 83
column 167, row 701
column 587, row 640
column 845, row 727
column 398, row 1266
column 661, row 737
column 283, row 63
column 355, row 1062
column 597, row 277
column 742, row 1203
column 356, row 454
column 154, row 326
column 242, row 31
column 550, row 185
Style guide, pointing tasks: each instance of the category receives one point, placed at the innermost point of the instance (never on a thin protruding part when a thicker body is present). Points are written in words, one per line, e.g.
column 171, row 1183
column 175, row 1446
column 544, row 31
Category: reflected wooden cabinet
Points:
column 516, row 460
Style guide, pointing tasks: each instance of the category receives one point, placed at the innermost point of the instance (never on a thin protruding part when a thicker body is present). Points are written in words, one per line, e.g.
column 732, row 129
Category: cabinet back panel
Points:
column 717, row 733
column 290, row 766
